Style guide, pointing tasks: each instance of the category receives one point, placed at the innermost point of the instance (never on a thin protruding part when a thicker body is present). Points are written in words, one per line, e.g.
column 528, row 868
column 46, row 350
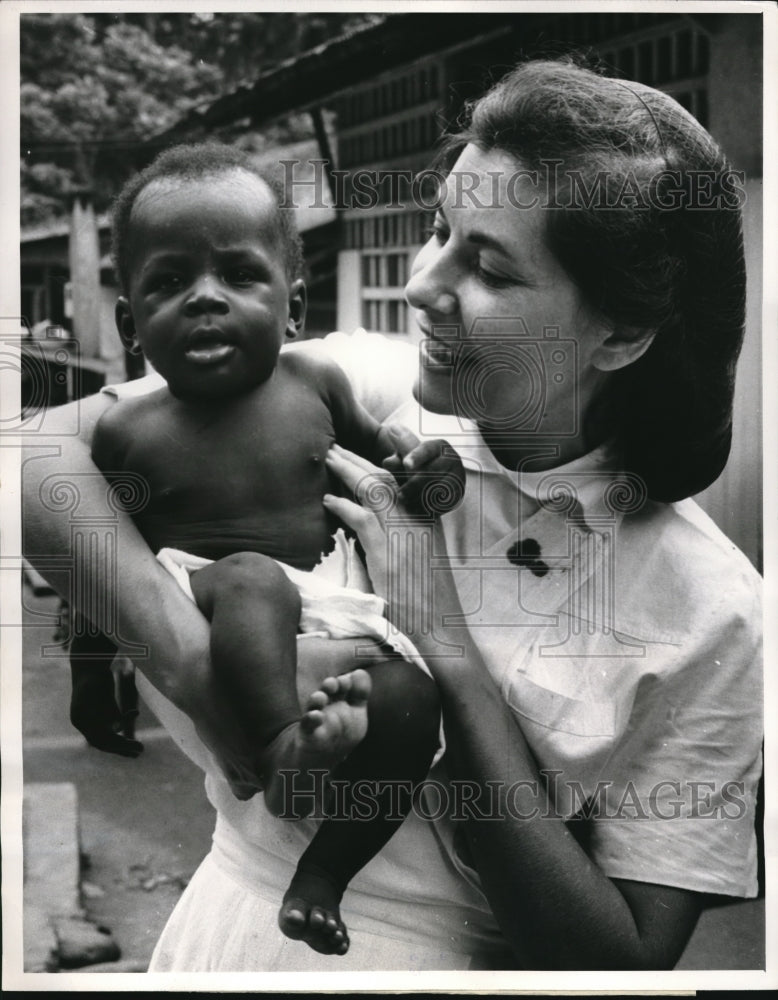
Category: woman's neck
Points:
column 544, row 449
column 520, row 452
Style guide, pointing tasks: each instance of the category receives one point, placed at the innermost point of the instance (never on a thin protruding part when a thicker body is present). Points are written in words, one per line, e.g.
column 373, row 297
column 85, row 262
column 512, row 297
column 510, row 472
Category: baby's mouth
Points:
column 208, row 346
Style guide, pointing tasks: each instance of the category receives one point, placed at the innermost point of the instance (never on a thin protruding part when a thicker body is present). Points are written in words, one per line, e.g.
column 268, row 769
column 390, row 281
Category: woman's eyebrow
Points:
column 484, row 239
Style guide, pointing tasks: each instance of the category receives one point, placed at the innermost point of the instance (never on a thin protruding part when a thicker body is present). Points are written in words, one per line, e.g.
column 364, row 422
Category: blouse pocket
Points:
column 558, row 712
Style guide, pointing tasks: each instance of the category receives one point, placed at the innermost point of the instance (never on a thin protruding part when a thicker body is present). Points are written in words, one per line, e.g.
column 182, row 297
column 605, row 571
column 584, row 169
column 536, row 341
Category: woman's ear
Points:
column 125, row 324
column 621, row 347
column 298, row 303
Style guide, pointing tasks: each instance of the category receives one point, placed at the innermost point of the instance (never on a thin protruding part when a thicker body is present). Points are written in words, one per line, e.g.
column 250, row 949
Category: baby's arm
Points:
column 430, row 473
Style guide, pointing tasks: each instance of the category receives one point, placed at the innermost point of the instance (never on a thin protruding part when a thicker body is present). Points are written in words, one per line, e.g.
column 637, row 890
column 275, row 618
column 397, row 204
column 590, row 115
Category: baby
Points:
column 233, row 451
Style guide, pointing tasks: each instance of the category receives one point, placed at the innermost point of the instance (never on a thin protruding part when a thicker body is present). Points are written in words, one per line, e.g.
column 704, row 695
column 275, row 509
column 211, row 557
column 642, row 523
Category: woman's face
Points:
column 509, row 338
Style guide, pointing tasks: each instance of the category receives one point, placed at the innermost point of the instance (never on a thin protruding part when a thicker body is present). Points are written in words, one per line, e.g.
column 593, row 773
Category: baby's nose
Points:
column 206, row 295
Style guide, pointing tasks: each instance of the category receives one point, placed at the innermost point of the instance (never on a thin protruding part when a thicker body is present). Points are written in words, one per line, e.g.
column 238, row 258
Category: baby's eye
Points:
column 166, row 282
column 241, row 276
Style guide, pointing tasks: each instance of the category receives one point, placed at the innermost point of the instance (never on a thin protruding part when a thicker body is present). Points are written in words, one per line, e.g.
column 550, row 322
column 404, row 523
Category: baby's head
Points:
column 209, row 263
column 194, row 163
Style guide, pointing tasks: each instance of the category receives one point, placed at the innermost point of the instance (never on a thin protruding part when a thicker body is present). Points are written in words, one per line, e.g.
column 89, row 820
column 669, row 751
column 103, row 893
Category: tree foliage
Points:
column 95, row 86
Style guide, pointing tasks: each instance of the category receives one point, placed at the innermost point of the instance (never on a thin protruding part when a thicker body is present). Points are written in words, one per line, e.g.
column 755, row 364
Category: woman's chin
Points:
column 433, row 397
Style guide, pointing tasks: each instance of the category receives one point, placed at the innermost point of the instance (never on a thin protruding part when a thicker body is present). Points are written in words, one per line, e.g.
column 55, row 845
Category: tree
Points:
column 95, row 86
column 85, row 91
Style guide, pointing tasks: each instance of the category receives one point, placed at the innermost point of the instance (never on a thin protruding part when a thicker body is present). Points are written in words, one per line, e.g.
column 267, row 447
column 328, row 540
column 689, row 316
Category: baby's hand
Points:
column 430, row 473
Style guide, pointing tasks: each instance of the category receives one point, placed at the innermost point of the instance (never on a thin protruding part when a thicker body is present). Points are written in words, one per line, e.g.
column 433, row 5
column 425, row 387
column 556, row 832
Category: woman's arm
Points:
column 151, row 609
column 556, row 908
column 554, row 905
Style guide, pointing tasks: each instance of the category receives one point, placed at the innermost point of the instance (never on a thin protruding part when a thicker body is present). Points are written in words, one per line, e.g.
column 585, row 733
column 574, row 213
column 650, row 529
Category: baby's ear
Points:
column 621, row 347
column 125, row 324
column 298, row 303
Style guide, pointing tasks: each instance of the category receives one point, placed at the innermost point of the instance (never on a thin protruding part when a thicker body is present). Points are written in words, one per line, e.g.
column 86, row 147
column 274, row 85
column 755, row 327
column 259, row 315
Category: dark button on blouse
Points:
column 526, row 554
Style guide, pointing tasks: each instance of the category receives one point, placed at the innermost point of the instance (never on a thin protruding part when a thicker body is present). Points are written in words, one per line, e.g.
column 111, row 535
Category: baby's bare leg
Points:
column 319, row 657
column 254, row 612
column 379, row 778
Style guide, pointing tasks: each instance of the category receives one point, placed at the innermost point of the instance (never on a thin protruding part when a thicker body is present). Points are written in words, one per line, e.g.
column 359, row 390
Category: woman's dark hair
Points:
column 194, row 163
column 649, row 229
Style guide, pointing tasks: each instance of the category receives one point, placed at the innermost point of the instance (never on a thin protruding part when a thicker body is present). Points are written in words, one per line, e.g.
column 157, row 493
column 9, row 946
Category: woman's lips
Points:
column 436, row 354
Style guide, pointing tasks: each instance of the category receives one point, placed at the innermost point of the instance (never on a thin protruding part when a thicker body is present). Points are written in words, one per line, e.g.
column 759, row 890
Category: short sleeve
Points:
column 681, row 785
column 380, row 369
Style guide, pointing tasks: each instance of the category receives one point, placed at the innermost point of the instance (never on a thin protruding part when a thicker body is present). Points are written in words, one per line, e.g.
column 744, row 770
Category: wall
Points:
column 734, row 501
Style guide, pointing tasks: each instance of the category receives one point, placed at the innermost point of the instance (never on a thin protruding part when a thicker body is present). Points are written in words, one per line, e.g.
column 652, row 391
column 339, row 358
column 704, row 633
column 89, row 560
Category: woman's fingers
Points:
column 373, row 488
column 370, row 534
column 349, row 460
column 351, row 514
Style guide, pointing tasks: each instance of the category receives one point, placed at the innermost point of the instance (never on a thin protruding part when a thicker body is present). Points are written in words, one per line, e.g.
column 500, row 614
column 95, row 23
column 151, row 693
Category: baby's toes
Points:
column 359, row 688
column 311, row 721
column 319, row 699
column 332, row 686
column 292, row 919
column 327, row 932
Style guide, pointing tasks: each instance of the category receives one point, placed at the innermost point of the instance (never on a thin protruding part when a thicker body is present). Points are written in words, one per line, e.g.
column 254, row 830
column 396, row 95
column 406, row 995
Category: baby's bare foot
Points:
column 310, row 912
column 334, row 722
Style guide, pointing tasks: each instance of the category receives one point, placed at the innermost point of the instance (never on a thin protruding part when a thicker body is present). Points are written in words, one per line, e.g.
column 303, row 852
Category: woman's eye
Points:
column 491, row 279
column 437, row 232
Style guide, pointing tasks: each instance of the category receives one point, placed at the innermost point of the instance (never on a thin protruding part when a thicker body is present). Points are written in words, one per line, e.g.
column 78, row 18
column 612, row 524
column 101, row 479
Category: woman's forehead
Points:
column 491, row 179
column 492, row 199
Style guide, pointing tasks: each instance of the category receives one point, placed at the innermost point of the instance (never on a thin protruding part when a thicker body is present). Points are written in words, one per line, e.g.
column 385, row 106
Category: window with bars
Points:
column 393, row 229
column 383, row 278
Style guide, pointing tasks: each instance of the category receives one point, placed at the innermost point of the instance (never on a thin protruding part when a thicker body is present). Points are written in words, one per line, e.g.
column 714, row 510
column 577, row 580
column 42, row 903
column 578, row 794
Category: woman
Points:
column 595, row 644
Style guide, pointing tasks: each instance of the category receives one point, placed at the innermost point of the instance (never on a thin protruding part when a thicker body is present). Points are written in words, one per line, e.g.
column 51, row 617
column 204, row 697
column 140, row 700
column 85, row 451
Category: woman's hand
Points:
column 405, row 552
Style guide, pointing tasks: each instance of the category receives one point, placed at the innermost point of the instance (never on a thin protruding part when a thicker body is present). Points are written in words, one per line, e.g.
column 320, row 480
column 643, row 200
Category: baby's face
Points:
column 208, row 299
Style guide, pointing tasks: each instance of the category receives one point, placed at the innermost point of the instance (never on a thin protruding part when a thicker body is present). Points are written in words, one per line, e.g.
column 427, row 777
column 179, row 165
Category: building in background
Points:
column 395, row 87
column 380, row 96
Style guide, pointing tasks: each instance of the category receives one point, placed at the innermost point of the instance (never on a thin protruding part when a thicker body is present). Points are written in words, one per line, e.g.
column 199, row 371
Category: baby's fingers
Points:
column 425, row 453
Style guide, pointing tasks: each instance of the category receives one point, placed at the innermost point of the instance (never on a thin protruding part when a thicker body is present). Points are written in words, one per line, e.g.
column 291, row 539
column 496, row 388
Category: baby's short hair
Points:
column 192, row 163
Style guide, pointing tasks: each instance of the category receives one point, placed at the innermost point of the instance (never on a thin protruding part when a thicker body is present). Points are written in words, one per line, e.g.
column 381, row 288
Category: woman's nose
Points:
column 206, row 296
column 431, row 283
